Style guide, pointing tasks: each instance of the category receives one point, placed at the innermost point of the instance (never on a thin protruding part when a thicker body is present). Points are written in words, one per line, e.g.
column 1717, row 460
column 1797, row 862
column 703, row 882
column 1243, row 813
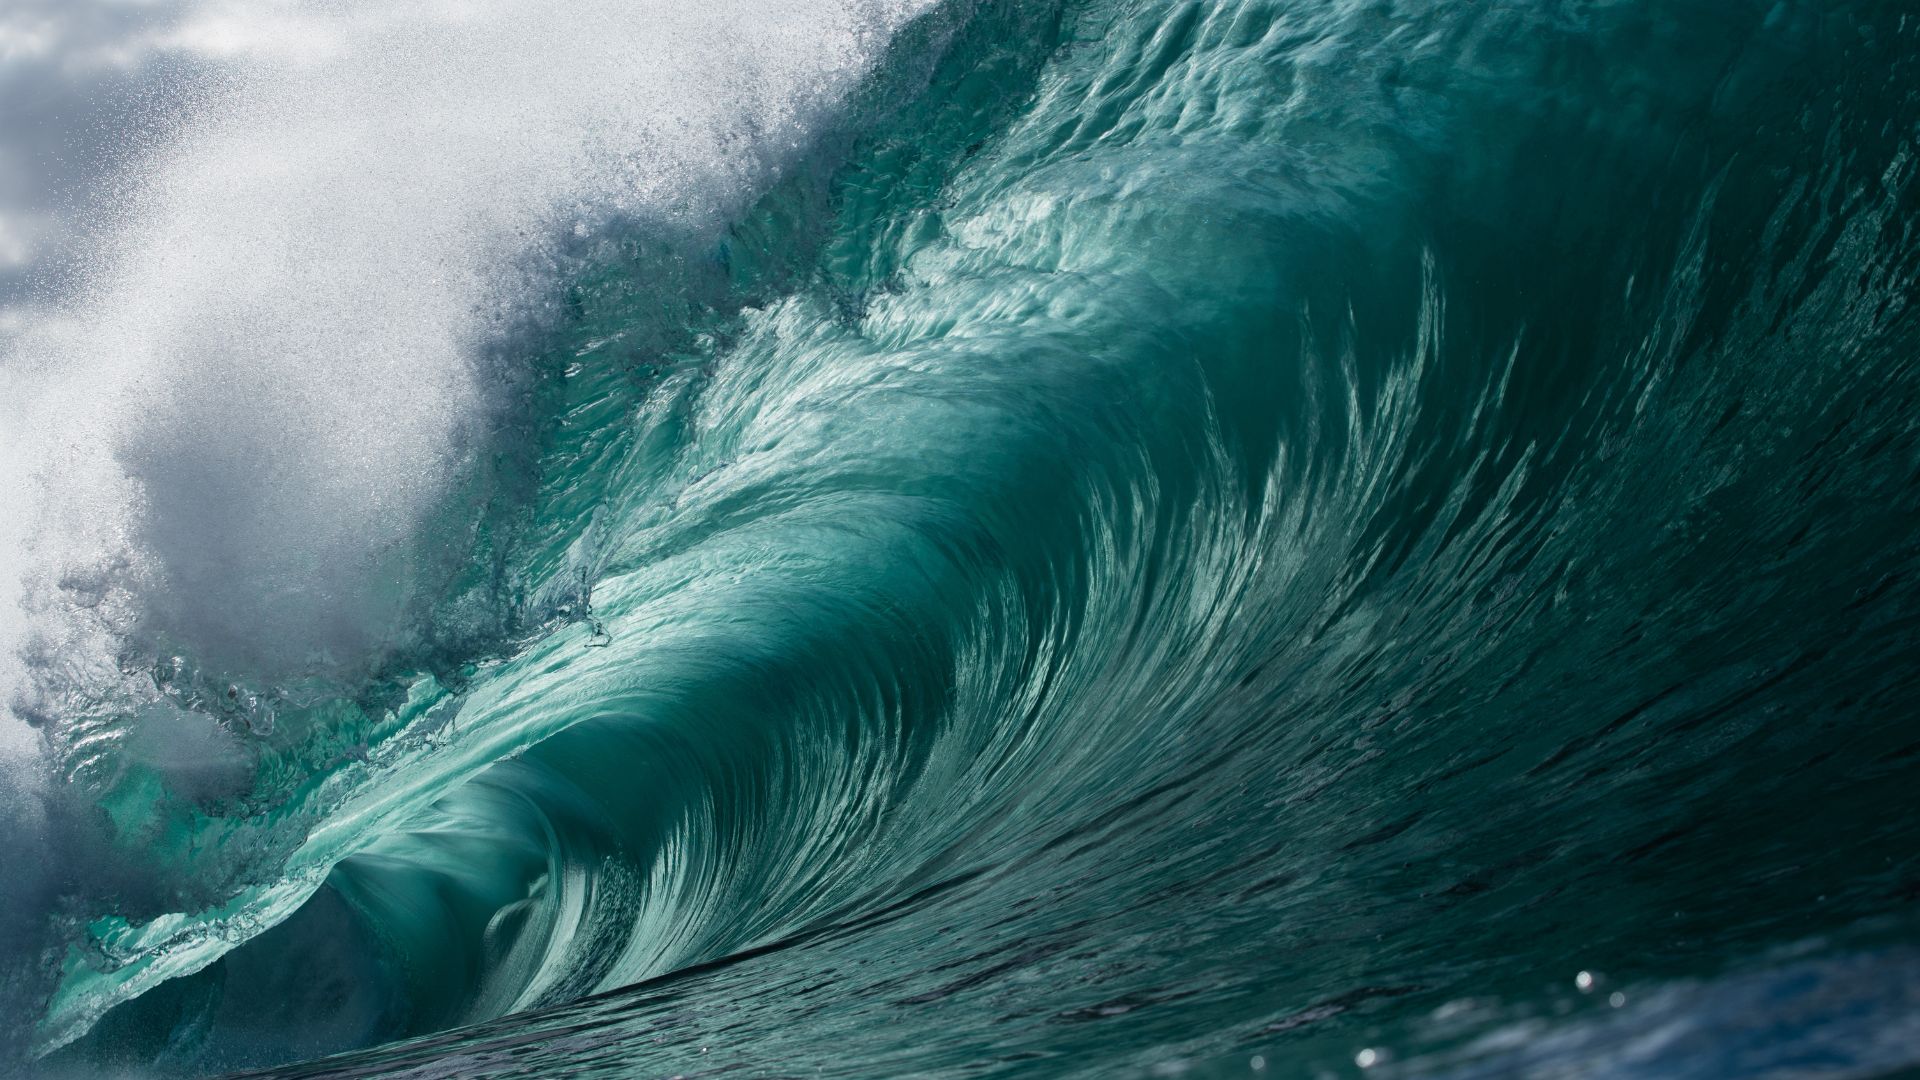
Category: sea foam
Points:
column 278, row 362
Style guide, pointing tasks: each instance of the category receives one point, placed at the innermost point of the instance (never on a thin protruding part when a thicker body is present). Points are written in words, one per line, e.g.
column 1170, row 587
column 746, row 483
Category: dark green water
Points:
column 1231, row 537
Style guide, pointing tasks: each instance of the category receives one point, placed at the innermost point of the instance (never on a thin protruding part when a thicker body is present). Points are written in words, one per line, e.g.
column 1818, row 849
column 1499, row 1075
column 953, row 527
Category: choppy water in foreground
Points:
column 1147, row 537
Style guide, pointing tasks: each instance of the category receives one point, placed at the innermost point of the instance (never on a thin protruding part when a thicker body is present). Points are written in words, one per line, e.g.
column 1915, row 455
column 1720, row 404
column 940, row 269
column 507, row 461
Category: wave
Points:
column 1007, row 537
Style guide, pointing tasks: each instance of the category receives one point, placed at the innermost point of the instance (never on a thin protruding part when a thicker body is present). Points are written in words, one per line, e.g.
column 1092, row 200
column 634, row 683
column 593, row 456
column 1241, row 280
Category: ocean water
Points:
column 968, row 538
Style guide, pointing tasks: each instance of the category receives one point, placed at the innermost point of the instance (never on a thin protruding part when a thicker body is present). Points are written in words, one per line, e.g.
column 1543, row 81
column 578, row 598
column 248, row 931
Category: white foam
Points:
column 270, row 378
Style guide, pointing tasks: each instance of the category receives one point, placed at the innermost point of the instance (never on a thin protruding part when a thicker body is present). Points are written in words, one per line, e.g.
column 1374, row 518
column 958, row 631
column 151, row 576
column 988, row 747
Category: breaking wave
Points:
column 983, row 537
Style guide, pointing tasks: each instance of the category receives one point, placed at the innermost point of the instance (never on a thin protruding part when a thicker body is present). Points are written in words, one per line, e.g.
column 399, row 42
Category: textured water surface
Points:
column 987, row 538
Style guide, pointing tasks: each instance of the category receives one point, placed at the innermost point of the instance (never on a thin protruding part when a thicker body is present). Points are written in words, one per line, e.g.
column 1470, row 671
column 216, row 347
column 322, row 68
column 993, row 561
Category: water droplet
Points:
column 1367, row 1058
column 1616, row 999
column 1584, row 981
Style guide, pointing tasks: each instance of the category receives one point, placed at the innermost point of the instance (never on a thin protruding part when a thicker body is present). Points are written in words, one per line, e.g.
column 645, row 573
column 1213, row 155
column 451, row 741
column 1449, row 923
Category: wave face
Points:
column 987, row 538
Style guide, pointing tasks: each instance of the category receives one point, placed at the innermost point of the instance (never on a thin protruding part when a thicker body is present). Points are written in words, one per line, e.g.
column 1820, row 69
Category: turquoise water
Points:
column 1298, row 537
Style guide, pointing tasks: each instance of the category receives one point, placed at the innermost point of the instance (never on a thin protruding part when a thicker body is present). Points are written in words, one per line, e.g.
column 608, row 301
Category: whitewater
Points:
column 959, row 537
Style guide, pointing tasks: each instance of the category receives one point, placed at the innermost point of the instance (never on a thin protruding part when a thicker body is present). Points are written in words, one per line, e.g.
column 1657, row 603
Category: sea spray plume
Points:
column 294, row 310
column 243, row 456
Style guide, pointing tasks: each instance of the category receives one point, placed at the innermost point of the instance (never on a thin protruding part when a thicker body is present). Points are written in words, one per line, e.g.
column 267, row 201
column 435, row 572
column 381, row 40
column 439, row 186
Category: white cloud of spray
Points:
column 270, row 371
